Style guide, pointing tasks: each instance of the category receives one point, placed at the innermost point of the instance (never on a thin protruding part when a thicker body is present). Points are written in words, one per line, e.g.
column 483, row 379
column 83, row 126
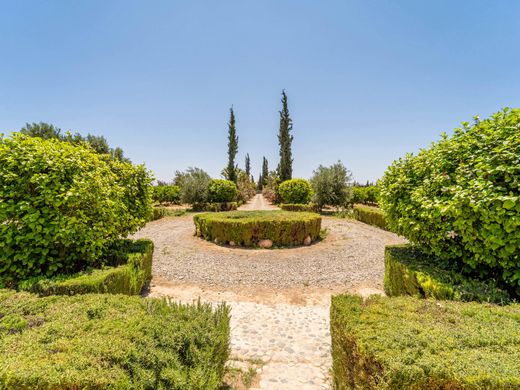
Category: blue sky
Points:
column 367, row 81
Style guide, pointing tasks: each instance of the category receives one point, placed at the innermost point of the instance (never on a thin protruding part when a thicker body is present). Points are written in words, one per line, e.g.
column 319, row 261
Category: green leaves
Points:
column 295, row 191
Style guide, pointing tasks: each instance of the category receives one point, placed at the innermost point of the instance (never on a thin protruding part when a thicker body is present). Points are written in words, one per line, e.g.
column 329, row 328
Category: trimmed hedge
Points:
column 410, row 343
column 370, row 215
column 110, row 342
column 298, row 207
column 128, row 278
column 295, row 191
column 409, row 271
column 248, row 228
column 222, row 191
column 215, row 207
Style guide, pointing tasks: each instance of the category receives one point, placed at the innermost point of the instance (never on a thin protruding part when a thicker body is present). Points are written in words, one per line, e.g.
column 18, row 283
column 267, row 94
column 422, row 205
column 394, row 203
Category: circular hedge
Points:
column 248, row 228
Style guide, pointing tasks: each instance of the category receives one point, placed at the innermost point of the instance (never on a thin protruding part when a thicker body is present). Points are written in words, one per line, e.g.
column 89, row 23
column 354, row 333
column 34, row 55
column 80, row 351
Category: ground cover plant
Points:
column 249, row 228
column 410, row 343
column 410, row 271
column 127, row 270
column 370, row 215
column 460, row 198
column 295, row 191
column 110, row 342
column 63, row 205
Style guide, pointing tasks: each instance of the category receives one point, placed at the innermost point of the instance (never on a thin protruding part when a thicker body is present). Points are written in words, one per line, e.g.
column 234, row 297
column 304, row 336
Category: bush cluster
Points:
column 460, row 198
column 63, row 204
column 110, row 342
column 222, row 191
column 409, row 271
column 167, row 193
column 410, row 343
column 248, row 228
column 129, row 270
column 295, row 191
column 365, row 195
column 370, row 215
column 311, row 207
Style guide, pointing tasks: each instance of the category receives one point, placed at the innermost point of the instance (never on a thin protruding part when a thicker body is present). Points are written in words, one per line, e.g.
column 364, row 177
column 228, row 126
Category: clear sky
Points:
column 367, row 80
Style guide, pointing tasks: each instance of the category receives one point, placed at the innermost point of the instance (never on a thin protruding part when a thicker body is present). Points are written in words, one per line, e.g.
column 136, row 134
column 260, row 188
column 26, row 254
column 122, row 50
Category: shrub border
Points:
column 370, row 215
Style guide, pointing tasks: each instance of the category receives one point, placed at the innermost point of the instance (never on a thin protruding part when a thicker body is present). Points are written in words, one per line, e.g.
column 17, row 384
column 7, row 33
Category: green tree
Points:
column 248, row 165
column 194, row 184
column 265, row 171
column 331, row 185
column 232, row 147
column 42, row 130
column 285, row 141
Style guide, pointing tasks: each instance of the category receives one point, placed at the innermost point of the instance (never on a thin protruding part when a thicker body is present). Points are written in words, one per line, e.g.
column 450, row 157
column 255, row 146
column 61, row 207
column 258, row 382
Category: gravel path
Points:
column 279, row 298
column 258, row 202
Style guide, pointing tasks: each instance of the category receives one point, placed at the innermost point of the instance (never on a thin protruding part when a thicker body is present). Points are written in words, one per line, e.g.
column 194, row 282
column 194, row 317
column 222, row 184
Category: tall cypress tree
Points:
column 248, row 165
column 232, row 147
column 285, row 141
column 265, row 171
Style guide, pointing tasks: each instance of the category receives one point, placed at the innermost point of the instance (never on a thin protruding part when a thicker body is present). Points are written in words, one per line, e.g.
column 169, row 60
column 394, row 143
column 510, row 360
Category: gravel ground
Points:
column 351, row 254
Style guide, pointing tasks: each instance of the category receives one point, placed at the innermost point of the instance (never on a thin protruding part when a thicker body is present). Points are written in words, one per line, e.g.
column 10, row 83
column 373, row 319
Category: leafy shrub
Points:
column 194, row 184
column 110, row 342
column 62, row 205
column 295, row 191
column 460, row 198
column 409, row 271
column 245, row 186
column 220, row 191
column 365, row 195
column 298, row 207
column 371, row 215
column 409, row 343
column 129, row 271
column 247, row 228
column 270, row 195
column 331, row 186
column 167, row 194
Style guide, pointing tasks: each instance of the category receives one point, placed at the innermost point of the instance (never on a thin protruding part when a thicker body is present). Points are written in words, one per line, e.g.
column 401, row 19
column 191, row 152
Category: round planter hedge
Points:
column 248, row 228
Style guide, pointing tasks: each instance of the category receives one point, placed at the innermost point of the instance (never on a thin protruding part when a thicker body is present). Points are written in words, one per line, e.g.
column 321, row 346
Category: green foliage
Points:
column 222, row 191
column 110, row 342
column 409, row 271
column 62, row 204
column 365, row 195
column 285, row 141
column 194, row 184
column 331, row 186
column 247, row 228
column 215, row 207
column 248, row 165
column 246, row 187
column 408, row 343
column 167, row 193
column 131, row 270
column 371, row 215
column 265, row 172
column 232, row 148
column 295, row 191
column 460, row 199
column 311, row 207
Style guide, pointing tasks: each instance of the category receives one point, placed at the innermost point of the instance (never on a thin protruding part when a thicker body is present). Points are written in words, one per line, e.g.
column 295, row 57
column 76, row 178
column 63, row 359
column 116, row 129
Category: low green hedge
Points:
column 110, row 342
column 408, row 271
column 410, row 343
column 128, row 278
column 370, row 215
column 298, row 207
column 215, row 207
column 248, row 228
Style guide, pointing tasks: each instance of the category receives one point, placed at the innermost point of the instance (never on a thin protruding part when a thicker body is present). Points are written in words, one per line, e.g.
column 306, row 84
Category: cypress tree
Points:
column 232, row 147
column 248, row 165
column 285, row 140
column 265, row 171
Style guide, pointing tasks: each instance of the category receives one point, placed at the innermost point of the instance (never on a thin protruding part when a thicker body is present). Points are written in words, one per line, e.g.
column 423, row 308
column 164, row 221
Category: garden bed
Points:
column 251, row 228
column 410, row 343
column 409, row 271
column 129, row 277
column 110, row 341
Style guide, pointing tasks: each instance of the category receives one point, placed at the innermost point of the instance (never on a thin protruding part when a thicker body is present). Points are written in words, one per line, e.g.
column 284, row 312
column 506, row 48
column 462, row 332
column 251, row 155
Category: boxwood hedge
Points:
column 460, row 199
column 370, row 215
column 131, row 270
column 248, row 228
column 298, row 207
column 103, row 341
column 297, row 191
column 410, row 343
column 410, row 271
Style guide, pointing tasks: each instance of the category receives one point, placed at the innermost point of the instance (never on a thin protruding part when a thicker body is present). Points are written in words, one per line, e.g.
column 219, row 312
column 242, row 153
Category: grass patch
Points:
column 248, row 228
column 131, row 272
column 410, row 343
column 110, row 342
column 371, row 215
column 408, row 271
